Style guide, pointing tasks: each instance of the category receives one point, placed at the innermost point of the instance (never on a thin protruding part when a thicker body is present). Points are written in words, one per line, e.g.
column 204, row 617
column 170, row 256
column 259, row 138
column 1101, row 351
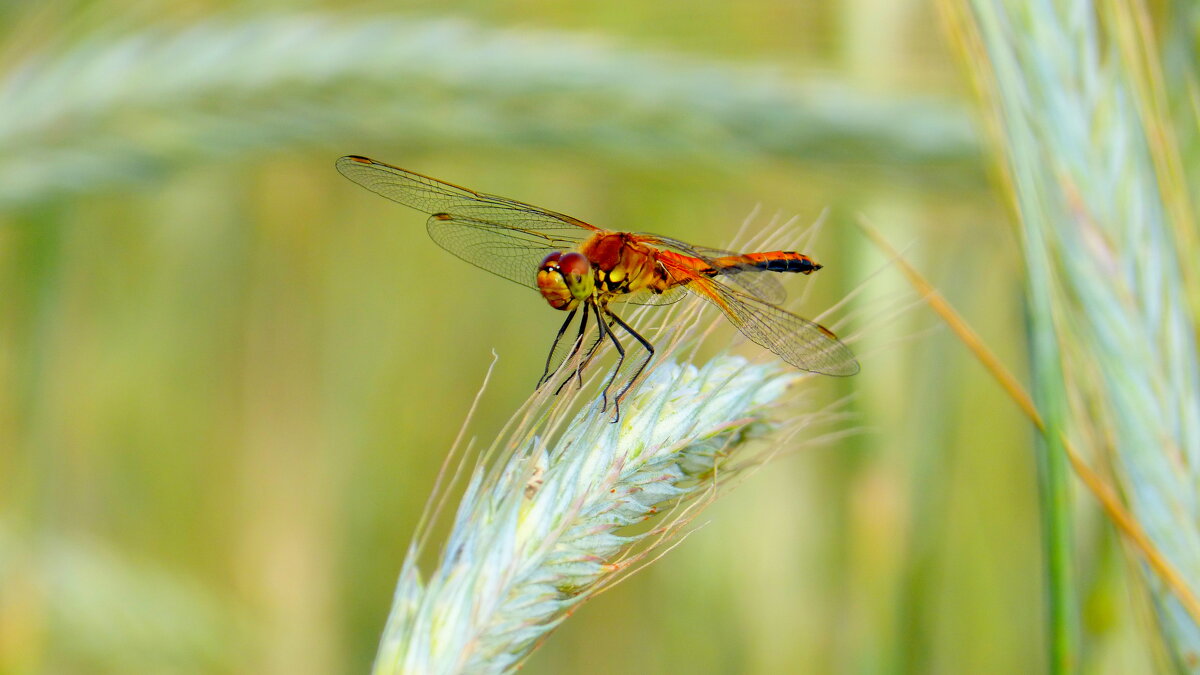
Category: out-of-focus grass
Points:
column 222, row 361
column 101, row 613
column 119, row 108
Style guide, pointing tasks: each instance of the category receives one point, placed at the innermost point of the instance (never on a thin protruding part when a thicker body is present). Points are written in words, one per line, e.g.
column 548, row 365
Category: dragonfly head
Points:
column 565, row 279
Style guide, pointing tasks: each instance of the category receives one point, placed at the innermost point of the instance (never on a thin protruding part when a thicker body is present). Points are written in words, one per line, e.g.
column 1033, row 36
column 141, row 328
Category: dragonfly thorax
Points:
column 565, row 279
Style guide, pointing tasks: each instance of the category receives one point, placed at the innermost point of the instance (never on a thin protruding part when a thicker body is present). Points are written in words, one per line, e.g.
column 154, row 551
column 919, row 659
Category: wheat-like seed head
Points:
column 551, row 523
column 1110, row 246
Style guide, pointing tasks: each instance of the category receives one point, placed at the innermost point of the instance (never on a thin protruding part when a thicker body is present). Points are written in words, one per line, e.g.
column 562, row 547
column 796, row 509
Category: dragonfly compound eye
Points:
column 576, row 271
column 553, row 282
column 575, row 264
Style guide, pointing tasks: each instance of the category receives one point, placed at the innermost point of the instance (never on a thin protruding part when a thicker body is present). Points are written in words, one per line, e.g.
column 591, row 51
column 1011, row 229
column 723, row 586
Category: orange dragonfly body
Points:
column 576, row 265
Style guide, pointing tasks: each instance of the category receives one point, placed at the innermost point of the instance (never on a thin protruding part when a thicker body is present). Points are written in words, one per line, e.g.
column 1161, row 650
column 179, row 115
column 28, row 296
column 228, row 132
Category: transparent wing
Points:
column 745, row 275
column 645, row 297
column 802, row 343
column 505, row 252
column 503, row 236
column 434, row 196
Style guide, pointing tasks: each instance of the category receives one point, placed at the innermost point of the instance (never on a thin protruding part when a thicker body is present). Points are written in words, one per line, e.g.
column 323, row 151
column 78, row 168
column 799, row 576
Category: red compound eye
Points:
column 551, row 260
column 575, row 263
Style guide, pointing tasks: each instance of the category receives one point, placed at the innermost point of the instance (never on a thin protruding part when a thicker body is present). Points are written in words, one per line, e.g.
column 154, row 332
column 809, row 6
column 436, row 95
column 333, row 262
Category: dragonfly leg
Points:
column 616, row 369
column 591, row 350
column 594, row 347
column 642, row 366
column 575, row 350
column 554, row 346
column 583, row 322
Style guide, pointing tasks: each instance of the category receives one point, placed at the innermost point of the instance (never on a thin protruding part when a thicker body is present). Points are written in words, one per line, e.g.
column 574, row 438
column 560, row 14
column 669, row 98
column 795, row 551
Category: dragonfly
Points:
column 583, row 269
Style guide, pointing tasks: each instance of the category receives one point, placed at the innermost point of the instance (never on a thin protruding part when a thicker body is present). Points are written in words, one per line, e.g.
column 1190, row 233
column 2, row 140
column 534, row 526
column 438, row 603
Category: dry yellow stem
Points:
column 1104, row 493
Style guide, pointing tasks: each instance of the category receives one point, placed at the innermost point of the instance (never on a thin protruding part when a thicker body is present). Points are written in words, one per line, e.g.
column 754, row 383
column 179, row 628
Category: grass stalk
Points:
column 1105, row 494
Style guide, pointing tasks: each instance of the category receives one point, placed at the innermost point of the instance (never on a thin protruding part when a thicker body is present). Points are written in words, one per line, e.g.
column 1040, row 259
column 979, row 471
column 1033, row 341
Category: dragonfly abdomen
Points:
column 783, row 261
column 771, row 261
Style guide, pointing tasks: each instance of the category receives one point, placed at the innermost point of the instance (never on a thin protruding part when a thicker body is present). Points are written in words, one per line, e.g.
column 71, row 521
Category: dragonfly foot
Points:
column 564, row 383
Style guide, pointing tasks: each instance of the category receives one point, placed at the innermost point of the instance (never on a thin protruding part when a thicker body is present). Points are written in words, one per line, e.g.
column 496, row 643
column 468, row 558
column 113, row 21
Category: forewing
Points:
column 512, row 254
column 754, row 280
column 434, row 196
column 802, row 343
column 503, row 236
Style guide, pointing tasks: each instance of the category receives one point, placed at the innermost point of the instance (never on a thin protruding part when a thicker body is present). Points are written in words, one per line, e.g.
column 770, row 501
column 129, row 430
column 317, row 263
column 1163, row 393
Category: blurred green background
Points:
column 228, row 375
